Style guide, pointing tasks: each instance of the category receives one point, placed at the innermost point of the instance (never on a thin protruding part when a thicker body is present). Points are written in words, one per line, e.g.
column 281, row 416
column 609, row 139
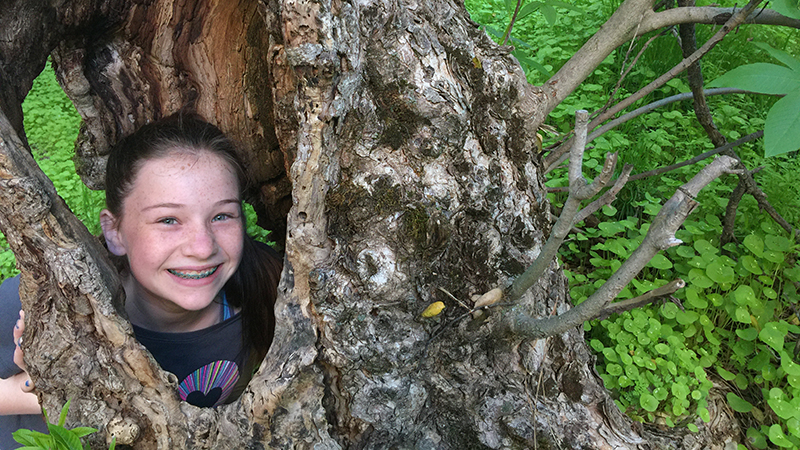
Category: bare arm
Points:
column 15, row 391
column 13, row 400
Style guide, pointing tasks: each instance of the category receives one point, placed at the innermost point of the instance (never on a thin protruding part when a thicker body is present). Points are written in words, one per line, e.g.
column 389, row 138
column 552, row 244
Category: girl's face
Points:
column 181, row 229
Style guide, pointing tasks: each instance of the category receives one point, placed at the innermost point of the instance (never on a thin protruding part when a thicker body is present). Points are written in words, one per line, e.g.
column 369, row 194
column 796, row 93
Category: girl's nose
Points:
column 201, row 242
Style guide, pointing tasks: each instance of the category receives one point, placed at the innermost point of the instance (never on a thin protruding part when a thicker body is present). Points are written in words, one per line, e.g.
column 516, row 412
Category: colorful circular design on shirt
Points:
column 209, row 385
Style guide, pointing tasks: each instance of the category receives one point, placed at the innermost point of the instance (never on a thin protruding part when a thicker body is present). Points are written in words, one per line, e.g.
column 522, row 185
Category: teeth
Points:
column 192, row 275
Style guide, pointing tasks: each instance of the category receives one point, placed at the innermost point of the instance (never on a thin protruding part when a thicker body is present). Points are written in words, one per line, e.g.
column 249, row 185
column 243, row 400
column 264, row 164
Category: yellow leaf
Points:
column 433, row 309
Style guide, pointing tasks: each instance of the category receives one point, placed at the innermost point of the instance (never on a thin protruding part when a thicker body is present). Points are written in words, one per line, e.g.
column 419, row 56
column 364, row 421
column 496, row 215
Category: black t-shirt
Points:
column 211, row 364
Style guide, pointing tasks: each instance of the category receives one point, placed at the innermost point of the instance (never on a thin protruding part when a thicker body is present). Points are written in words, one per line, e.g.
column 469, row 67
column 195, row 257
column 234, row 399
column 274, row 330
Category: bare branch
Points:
column 608, row 197
column 698, row 158
column 712, row 16
column 660, row 236
column 559, row 155
column 633, row 17
column 507, row 34
column 644, row 299
column 578, row 190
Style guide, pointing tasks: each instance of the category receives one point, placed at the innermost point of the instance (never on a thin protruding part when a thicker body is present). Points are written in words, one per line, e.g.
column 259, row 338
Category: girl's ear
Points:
column 111, row 233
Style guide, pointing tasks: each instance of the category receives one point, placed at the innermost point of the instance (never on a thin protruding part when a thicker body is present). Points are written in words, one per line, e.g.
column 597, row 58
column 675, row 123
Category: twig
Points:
column 644, row 299
column 507, row 35
column 454, row 298
column 579, row 190
column 559, row 155
column 729, row 221
column 700, row 157
column 624, row 71
column 608, row 197
column 660, row 236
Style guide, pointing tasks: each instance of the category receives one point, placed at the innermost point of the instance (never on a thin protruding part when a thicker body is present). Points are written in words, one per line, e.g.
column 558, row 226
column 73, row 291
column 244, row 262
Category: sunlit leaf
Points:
column 764, row 78
column 789, row 8
column 780, row 55
column 782, row 129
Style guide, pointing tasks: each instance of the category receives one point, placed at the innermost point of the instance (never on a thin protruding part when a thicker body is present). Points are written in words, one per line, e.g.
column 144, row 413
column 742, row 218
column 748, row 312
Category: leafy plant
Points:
column 782, row 128
column 59, row 437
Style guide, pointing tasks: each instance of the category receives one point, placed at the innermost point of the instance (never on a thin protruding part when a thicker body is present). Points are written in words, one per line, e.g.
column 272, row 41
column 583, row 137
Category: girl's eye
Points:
column 221, row 217
column 168, row 221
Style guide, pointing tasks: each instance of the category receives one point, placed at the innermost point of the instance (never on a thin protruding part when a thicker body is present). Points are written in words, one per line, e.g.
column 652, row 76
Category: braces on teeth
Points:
column 198, row 276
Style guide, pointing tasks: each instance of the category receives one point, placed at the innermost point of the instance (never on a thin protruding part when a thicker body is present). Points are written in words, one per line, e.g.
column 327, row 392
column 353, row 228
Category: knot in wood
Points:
column 125, row 430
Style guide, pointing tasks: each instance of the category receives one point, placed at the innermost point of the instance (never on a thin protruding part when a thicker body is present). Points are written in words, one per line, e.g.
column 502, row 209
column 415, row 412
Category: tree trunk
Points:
column 393, row 144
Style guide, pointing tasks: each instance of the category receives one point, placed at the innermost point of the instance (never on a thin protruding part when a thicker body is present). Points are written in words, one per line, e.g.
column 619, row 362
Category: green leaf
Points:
column 719, row 273
column 748, row 334
column 764, row 78
column 648, row 402
column 790, row 367
column 64, row 438
column 782, row 128
column 792, row 62
column 83, row 431
column 704, row 414
column 744, row 295
column 788, row 8
column 778, row 438
column 750, row 263
column 727, row 376
column 738, row 404
column 782, row 408
column 527, row 9
column 662, row 348
column 772, row 336
column 755, row 244
column 62, row 418
column 741, row 315
column 661, row 262
column 550, row 14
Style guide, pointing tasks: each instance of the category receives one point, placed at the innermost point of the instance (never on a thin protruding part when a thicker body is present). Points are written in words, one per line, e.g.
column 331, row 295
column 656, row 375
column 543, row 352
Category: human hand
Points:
column 26, row 384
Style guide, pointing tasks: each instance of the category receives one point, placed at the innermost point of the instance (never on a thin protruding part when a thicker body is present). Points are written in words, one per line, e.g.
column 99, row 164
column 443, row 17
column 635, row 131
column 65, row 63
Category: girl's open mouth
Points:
column 193, row 274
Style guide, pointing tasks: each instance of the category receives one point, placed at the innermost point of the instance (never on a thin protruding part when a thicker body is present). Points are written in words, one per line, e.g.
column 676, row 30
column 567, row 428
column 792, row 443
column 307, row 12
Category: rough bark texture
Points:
column 402, row 137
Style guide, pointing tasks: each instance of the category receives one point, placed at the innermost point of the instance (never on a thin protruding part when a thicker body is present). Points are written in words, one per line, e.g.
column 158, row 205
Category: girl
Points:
column 199, row 291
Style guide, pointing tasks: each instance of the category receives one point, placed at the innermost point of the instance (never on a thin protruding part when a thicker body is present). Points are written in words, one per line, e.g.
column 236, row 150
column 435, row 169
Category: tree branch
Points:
column 632, row 18
column 608, row 197
column 698, row 158
column 660, row 236
column 713, row 16
column 644, row 299
column 579, row 190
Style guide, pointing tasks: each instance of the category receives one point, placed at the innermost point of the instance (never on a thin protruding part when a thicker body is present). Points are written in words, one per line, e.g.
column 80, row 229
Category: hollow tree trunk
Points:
column 393, row 143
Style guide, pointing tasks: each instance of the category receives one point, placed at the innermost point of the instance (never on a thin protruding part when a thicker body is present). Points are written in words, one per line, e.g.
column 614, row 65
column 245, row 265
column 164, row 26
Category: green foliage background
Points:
column 736, row 325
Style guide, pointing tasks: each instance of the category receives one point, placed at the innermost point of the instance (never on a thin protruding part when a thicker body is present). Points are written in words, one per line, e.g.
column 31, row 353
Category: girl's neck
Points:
column 155, row 317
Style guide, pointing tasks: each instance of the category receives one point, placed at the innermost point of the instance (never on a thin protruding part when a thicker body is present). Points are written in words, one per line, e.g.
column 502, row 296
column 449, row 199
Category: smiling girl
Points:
column 199, row 291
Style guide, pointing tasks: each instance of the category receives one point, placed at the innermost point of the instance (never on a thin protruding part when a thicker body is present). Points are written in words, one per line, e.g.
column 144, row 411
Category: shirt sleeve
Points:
column 9, row 313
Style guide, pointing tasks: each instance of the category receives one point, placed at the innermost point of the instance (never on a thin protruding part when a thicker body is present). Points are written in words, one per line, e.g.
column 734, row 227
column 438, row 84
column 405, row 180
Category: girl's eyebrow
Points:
column 180, row 205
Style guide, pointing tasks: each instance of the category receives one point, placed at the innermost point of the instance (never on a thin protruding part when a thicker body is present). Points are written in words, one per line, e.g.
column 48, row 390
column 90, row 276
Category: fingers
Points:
column 18, row 329
column 27, row 385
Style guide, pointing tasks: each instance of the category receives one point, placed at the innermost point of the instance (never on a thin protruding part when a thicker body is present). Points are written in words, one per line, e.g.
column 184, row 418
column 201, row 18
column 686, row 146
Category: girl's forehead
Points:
column 184, row 159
